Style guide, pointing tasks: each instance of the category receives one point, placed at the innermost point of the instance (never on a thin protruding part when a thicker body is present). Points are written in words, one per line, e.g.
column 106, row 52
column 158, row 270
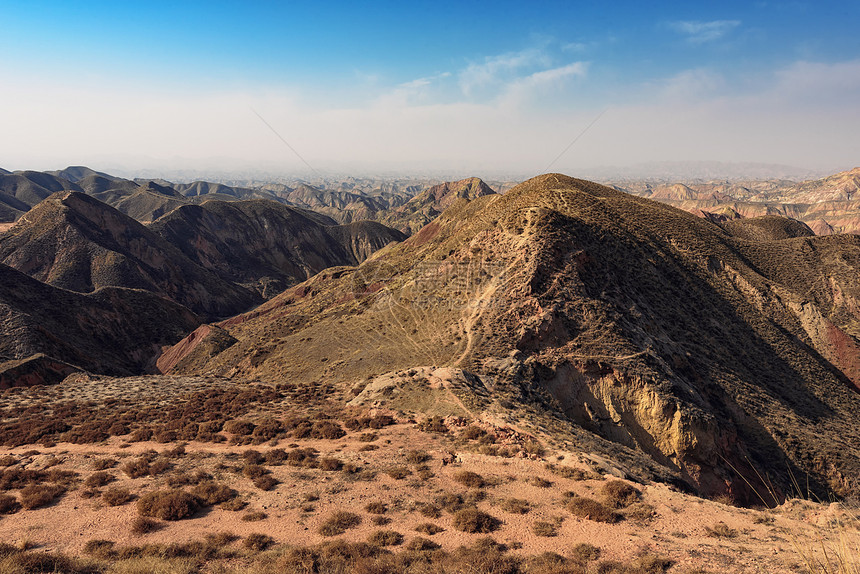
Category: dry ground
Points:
column 395, row 477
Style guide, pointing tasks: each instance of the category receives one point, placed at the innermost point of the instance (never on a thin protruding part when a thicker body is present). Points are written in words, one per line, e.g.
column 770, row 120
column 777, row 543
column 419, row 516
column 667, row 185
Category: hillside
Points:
column 659, row 332
column 110, row 331
column 427, row 205
column 828, row 205
column 265, row 245
column 73, row 241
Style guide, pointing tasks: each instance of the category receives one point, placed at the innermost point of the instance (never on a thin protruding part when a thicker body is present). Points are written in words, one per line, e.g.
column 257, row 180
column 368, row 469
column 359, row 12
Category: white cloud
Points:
column 497, row 69
column 701, row 32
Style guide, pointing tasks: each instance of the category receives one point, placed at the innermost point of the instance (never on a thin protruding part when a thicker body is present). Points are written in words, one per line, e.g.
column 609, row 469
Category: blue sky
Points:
column 433, row 86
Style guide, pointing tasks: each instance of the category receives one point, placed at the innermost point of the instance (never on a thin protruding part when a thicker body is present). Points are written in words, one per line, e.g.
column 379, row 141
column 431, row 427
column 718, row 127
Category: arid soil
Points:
column 415, row 471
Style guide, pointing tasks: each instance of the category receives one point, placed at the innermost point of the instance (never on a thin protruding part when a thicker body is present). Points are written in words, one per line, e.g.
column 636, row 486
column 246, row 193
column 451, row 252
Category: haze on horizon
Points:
column 424, row 86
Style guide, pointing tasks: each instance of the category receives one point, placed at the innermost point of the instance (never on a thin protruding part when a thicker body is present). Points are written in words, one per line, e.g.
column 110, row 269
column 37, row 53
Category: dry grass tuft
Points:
column 39, row 495
column 117, row 496
column 376, row 507
column 543, row 528
column 144, row 525
column 470, row 479
column 168, row 504
column 472, row 521
column 429, row 528
column 9, row 504
column 584, row 552
column 721, row 530
column 257, row 542
column 255, row 516
column 592, row 510
column 617, row 494
column 515, row 505
column 339, row 522
column 385, row 538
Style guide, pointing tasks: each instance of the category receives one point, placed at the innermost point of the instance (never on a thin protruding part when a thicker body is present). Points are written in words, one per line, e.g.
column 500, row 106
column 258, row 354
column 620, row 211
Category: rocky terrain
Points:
column 73, row 241
column 46, row 331
column 265, row 245
column 653, row 329
column 828, row 205
column 564, row 378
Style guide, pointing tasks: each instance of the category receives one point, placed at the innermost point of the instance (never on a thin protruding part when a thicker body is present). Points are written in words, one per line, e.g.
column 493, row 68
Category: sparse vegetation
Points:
column 376, row 507
column 339, row 522
column 591, row 509
column 168, row 504
column 257, row 542
column 39, row 495
column 385, row 538
column 515, row 505
column 254, row 516
column 470, row 479
column 472, row 520
column 617, row 494
column 429, row 528
column 144, row 525
column 8, row 504
column 543, row 528
column 117, row 496
column 721, row 530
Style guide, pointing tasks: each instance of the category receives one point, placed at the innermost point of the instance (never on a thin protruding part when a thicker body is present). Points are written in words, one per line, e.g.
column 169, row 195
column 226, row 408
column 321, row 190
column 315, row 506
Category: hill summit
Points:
column 723, row 357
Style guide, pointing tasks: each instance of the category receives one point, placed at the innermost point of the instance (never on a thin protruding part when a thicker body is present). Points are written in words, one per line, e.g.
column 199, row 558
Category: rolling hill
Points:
column 724, row 357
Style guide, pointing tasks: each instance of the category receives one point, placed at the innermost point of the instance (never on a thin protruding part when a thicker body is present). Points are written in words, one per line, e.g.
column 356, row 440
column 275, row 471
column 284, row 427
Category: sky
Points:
column 483, row 88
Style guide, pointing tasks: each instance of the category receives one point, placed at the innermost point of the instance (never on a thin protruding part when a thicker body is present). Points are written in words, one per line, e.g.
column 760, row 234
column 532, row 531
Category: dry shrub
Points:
column 380, row 520
column 253, row 457
column 136, row 468
column 98, row 479
column 640, row 512
column 472, row 520
column 618, row 494
column 472, row 432
column 592, row 510
column 239, row 427
column 385, row 538
column 429, row 510
column 429, row 528
column 469, row 478
column 398, row 472
column 515, row 505
column 99, row 548
column 254, row 516
column 39, row 495
column 233, row 505
column 266, row 482
column 8, row 504
column 584, row 552
column 168, row 504
column 433, row 424
column 144, row 525
column 339, row 522
column 185, row 479
column 543, row 528
column 376, row 507
column 257, row 542
column 211, row 492
column 540, row 482
column 302, row 457
column 570, row 472
column 330, row 464
column 327, row 430
column 419, row 544
column 368, row 437
column 417, row 457
column 368, row 447
column 721, row 530
column 103, row 463
column 275, row 456
column 117, row 496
